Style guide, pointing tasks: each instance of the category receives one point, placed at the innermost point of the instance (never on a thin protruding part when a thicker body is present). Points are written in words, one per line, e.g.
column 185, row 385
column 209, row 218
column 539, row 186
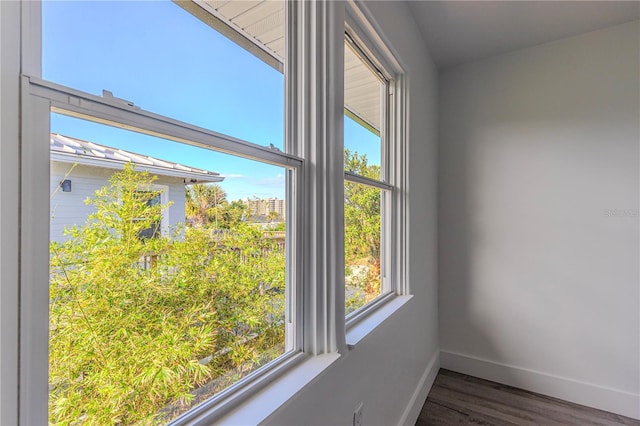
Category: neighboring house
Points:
column 85, row 167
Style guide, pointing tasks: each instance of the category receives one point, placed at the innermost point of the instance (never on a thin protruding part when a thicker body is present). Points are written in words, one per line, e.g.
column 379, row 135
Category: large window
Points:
column 163, row 321
column 367, row 188
column 144, row 324
column 182, row 219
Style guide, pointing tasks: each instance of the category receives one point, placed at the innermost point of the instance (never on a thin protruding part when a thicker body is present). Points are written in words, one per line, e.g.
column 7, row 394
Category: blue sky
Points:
column 163, row 59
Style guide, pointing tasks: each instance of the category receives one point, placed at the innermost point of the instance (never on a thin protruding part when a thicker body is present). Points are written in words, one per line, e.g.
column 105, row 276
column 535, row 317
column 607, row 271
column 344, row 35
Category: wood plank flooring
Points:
column 460, row 399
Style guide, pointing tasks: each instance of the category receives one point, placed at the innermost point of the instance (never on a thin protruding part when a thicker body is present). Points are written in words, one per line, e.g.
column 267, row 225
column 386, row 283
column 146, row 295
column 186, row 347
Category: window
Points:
column 180, row 315
column 150, row 201
column 370, row 194
column 146, row 325
column 231, row 118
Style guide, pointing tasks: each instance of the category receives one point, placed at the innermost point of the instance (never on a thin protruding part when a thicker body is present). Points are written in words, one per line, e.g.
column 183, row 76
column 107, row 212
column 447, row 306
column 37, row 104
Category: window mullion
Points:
column 10, row 209
column 34, row 297
column 318, row 132
column 34, row 251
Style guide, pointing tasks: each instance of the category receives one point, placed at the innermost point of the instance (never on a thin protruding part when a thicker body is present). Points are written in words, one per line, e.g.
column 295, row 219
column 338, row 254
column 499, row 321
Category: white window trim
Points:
column 39, row 98
column 362, row 28
column 9, row 210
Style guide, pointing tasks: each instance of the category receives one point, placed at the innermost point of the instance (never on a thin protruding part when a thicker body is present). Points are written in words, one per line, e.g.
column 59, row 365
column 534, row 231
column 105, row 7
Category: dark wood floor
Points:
column 460, row 399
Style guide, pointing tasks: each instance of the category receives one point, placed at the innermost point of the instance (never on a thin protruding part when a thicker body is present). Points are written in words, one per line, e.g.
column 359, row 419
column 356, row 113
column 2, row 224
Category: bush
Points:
column 136, row 324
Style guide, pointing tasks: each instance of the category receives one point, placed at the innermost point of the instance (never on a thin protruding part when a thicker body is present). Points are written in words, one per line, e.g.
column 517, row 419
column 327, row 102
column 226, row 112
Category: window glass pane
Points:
column 166, row 60
column 143, row 327
column 362, row 244
column 149, row 198
column 363, row 97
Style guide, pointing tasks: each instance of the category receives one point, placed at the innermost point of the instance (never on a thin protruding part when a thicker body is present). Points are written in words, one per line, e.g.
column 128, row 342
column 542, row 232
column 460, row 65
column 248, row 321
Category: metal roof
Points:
column 70, row 150
column 259, row 27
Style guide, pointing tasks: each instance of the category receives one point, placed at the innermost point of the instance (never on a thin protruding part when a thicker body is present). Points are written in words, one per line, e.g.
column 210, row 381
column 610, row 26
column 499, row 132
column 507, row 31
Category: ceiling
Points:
column 454, row 31
column 461, row 31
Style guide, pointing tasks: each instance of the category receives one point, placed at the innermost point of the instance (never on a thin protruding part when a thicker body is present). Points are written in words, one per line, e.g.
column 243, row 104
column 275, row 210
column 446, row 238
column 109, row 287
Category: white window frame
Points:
column 314, row 100
column 44, row 97
column 361, row 32
column 39, row 99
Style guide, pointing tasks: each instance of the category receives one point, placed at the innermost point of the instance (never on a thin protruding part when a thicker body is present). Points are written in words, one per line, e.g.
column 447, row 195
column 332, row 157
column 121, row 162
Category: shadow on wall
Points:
column 463, row 306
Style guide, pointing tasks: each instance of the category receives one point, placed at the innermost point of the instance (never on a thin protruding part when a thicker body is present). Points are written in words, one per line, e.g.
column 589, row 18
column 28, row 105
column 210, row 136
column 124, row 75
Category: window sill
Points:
column 257, row 408
column 267, row 400
column 363, row 327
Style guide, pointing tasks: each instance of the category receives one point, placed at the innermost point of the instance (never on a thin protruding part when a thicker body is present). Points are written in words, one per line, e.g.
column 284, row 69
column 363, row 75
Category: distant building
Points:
column 261, row 207
column 79, row 168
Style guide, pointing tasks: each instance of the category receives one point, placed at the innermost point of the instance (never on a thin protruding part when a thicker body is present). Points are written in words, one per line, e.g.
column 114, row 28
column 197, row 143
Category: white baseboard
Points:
column 600, row 397
column 411, row 413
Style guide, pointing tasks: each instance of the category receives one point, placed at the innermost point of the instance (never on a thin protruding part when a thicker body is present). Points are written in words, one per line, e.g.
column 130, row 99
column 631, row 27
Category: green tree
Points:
column 207, row 205
column 273, row 216
column 280, row 226
column 362, row 232
column 232, row 214
column 129, row 339
column 203, row 201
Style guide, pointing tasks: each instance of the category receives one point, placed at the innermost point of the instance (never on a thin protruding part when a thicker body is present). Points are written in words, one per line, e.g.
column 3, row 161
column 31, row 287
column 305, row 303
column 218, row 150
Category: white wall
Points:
column 538, row 206
column 389, row 365
column 69, row 208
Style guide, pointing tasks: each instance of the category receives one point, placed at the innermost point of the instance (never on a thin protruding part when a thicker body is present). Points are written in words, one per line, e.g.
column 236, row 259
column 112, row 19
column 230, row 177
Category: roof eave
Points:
column 189, row 177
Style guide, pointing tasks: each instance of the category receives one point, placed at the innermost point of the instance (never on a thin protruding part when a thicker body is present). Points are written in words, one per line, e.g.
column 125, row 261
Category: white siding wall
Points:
column 69, row 208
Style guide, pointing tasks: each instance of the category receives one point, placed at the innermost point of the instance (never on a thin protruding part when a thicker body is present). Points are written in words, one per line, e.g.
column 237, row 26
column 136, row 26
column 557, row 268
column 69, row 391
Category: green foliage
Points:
column 207, row 205
column 137, row 324
column 232, row 214
column 280, row 226
column 273, row 217
column 141, row 328
column 362, row 233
